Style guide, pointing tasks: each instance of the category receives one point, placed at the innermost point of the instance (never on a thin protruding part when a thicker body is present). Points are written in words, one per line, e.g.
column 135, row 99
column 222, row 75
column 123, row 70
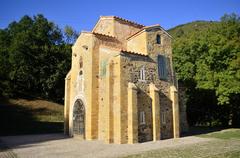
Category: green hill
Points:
column 30, row 116
column 189, row 28
column 206, row 57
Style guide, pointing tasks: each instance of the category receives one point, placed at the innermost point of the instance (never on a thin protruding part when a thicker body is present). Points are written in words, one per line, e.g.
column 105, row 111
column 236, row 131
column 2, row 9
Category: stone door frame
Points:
column 81, row 119
column 82, row 98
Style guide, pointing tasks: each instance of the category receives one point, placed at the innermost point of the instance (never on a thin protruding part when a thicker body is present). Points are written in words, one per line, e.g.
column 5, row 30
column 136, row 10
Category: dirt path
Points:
column 59, row 146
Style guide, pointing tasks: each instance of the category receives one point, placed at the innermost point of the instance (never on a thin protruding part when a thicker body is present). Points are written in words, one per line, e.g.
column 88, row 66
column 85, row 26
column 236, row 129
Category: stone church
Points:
column 122, row 86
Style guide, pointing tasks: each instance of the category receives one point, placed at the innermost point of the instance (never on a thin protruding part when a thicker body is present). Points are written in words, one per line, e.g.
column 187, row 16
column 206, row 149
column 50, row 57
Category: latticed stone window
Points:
column 142, row 74
column 142, row 118
column 162, row 67
column 80, row 78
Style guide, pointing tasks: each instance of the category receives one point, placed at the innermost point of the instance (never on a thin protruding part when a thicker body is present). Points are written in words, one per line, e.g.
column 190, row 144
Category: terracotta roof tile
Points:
column 103, row 35
column 128, row 21
column 147, row 27
column 131, row 52
column 125, row 20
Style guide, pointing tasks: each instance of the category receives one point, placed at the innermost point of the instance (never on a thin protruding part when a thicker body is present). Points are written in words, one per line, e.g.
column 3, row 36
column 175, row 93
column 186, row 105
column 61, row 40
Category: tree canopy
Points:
column 34, row 58
column 207, row 58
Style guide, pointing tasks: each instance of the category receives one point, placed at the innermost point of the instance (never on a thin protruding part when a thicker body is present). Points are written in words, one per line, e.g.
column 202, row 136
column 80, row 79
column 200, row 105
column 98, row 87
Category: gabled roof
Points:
column 146, row 28
column 120, row 19
column 124, row 20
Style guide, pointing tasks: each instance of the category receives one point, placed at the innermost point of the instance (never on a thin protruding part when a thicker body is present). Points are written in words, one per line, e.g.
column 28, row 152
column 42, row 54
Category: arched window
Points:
column 158, row 39
column 80, row 62
column 80, row 73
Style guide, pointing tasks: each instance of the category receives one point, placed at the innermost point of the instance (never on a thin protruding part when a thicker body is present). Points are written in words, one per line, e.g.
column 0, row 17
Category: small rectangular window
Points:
column 158, row 39
column 142, row 118
column 164, row 118
column 142, row 74
column 162, row 67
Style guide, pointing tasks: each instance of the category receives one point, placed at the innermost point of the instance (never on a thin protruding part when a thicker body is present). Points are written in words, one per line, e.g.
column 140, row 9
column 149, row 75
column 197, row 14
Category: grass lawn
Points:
column 222, row 144
column 224, row 134
column 30, row 116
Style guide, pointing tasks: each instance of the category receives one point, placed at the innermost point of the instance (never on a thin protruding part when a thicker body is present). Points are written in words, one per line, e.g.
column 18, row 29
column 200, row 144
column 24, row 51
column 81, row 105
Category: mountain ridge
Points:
column 187, row 28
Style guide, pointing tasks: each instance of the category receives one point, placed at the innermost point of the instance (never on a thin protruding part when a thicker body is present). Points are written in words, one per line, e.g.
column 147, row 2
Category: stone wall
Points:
column 105, row 56
column 85, row 49
column 131, row 69
column 138, row 43
column 122, row 30
column 105, row 26
column 144, row 105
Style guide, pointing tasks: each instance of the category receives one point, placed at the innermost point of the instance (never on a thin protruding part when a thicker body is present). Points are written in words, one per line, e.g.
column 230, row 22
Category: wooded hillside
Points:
column 207, row 62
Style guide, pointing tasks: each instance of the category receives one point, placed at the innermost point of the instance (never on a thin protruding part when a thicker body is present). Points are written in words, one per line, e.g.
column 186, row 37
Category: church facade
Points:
column 122, row 86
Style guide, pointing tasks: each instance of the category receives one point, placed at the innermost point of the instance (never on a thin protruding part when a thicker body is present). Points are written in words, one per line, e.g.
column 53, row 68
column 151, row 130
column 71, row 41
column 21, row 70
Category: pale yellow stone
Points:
column 66, row 103
column 175, row 107
column 109, row 104
column 155, row 111
column 138, row 43
column 132, row 114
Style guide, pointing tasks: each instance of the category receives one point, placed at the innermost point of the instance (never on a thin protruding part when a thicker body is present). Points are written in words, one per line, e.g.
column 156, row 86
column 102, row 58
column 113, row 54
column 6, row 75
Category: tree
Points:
column 230, row 18
column 70, row 34
column 34, row 59
column 208, row 60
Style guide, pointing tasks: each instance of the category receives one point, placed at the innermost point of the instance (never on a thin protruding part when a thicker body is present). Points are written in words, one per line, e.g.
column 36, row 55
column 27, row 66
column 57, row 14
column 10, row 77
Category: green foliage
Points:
column 230, row 18
column 70, row 34
column 34, row 59
column 207, row 57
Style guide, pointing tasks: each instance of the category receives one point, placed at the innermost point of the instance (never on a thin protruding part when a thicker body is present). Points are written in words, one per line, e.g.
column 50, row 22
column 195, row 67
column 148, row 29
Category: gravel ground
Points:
column 60, row 146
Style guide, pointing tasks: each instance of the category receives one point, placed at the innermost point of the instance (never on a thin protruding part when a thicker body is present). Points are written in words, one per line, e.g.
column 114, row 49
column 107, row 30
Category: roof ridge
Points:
column 125, row 20
column 101, row 34
column 147, row 27
column 132, row 52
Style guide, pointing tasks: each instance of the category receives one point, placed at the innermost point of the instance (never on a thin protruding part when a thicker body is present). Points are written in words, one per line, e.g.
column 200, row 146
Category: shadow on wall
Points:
column 166, row 116
column 18, row 120
column 145, row 117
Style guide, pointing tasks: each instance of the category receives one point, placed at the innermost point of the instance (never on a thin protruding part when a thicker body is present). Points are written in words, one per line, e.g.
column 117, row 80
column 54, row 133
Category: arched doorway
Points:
column 79, row 119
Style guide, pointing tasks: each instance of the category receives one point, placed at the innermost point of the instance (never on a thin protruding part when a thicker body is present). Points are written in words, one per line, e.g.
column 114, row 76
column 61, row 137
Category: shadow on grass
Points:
column 198, row 130
column 19, row 120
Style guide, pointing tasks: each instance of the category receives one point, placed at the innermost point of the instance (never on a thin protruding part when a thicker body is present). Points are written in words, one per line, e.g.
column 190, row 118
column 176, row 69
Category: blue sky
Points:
column 83, row 14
